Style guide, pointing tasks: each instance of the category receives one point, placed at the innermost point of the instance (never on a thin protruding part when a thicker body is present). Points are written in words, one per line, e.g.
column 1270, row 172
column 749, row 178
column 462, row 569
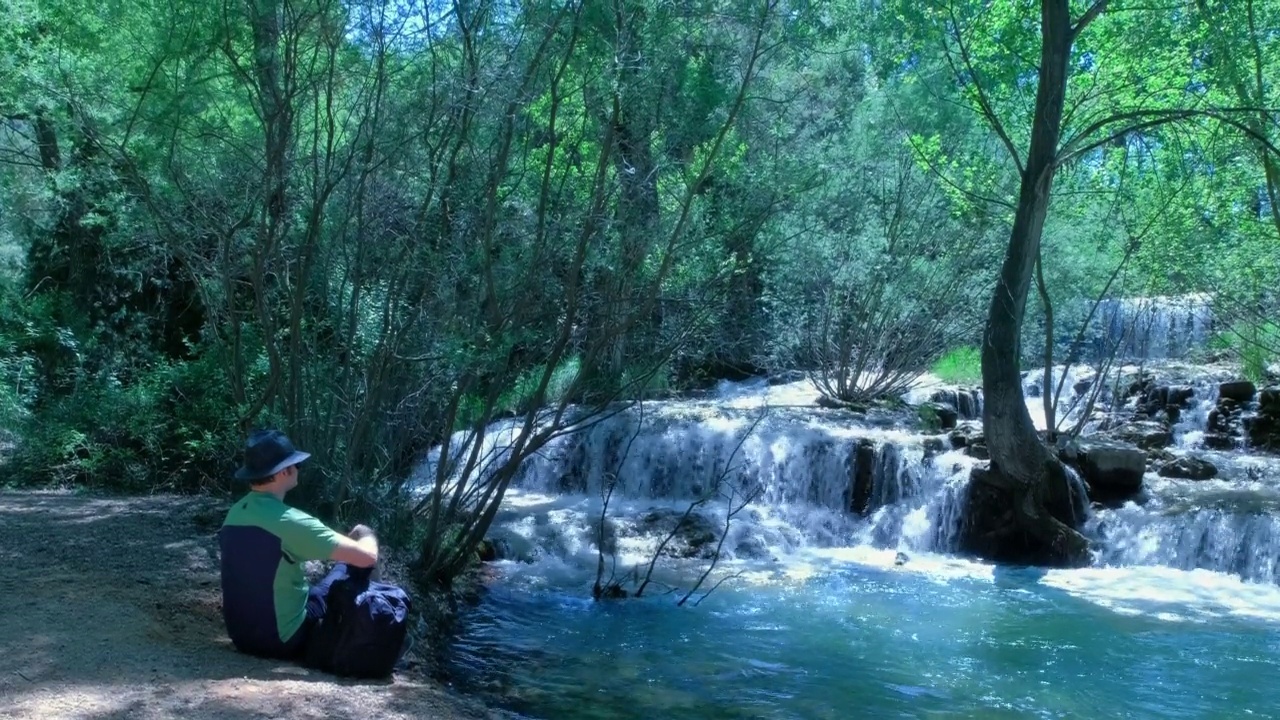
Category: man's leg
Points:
column 318, row 595
column 322, row 611
column 314, row 640
column 300, row 645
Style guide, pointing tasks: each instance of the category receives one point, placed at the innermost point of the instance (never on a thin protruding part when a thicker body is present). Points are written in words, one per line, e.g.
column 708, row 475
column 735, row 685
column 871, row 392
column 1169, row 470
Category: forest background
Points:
column 381, row 225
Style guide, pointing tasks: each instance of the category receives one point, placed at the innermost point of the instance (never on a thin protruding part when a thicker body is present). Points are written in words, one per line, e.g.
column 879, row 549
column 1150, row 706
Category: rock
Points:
column 1165, row 402
column 1158, row 395
column 862, row 464
column 1082, row 386
column 1224, row 418
column 945, row 414
column 934, row 446
column 1142, row 385
column 695, row 536
column 1239, row 390
column 1189, row 468
column 966, row 402
column 1269, row 401
column 901, row 558
column 487, row 551
column 967, row 434
column 977, row 450
column 1111, row 469
column 1146, row 434
column 1180, row 395
column 1263, row 432
column 826, row 401
column 1220, row 441
column 752, row 547
column 1263, row 429
column 787, row 376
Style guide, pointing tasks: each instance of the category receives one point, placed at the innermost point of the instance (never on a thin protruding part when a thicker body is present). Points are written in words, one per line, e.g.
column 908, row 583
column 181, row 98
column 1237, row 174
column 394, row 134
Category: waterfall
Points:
column 1156, row 327
column 966, row 403
column 1189, row 431
column 819, row 479
column 1246, row 544
column 1079, row 495
column 815, row 479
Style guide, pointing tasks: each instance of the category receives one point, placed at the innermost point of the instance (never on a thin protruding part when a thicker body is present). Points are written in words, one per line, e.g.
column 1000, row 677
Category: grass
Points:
column 959, row 366
column 1252, row 344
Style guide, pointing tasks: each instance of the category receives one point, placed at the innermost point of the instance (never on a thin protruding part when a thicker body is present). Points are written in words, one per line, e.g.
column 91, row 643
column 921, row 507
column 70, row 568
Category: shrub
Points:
column 170, row 426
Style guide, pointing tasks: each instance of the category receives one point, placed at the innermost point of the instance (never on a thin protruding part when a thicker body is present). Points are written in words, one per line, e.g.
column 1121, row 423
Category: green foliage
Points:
column 929, row 419
column 887, row 268
column 959, row 366
column 1255, row 345
column 523, row 393
column 166, row 429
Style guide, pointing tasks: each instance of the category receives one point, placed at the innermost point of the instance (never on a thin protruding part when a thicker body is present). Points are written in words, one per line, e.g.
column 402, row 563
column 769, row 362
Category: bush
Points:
column 170, row 427
column 960, row 366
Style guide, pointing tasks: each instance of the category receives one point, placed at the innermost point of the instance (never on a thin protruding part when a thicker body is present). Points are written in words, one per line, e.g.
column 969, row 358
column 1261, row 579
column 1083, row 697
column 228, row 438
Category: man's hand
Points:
column 358, row 550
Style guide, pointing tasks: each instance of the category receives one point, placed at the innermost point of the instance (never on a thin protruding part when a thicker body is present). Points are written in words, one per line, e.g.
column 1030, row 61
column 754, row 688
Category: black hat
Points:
column 268, row 452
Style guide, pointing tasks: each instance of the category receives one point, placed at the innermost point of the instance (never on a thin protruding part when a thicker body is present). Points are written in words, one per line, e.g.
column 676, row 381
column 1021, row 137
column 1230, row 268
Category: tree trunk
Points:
column 1025, row 479
column 637, row 209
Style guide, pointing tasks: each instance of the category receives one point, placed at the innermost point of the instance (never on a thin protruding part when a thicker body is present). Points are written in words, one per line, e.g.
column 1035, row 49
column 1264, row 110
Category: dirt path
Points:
column 109, row 608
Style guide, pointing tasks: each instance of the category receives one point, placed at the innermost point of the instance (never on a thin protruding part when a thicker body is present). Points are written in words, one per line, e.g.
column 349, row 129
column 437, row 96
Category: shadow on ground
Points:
column 110, row 608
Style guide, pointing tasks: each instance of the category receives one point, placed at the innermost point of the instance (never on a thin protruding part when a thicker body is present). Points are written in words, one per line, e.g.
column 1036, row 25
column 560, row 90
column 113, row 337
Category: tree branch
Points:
column 1089, row 16
column 1154, row 118
column 937, row 171
column 988, row 111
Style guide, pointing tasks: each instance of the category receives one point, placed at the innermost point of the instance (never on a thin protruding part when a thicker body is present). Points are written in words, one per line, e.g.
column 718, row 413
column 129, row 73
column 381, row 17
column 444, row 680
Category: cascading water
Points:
column 1229, row 524
column 815, row 479
column 1156, row 327
column 823, row 606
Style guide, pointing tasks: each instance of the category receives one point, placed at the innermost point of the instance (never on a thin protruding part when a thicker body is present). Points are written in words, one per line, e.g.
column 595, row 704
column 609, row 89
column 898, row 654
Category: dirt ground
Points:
column 109, row 608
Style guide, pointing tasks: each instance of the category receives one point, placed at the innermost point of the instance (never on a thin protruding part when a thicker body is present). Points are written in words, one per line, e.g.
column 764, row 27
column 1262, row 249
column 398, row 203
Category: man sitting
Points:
column 267, row 606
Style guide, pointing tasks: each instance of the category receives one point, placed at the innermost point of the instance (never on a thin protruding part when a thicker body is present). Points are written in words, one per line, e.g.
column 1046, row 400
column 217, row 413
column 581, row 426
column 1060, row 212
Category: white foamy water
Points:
column 1157, row 327
column 832, row 488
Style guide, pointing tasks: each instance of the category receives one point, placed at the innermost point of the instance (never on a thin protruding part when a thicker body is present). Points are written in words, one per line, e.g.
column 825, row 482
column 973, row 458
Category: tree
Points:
column 1020, row 505
column 1022, row 467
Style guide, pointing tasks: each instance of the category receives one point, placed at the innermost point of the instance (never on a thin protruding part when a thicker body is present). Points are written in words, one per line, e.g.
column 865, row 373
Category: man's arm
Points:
column 306, row 538
column 362, row 552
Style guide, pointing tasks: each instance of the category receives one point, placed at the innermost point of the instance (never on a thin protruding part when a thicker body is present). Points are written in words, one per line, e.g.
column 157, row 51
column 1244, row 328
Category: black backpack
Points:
column 363, row 632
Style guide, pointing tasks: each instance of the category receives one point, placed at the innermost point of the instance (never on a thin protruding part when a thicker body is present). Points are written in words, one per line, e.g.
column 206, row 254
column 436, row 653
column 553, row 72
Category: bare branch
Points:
column 937, row 172
column 611, row 587
column 707, row 497
column 724, row 534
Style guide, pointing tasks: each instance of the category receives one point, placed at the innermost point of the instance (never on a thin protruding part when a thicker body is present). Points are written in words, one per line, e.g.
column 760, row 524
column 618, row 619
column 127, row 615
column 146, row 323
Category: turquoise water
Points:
column 1179, row 618
column 945, row 640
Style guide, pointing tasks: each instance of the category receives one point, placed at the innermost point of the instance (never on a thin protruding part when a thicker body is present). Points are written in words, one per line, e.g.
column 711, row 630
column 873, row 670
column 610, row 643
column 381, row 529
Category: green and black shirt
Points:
column 264, row 590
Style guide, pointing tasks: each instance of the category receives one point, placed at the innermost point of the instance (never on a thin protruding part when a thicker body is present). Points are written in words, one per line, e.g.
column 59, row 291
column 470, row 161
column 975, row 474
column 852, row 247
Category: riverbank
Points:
column 109, row 608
